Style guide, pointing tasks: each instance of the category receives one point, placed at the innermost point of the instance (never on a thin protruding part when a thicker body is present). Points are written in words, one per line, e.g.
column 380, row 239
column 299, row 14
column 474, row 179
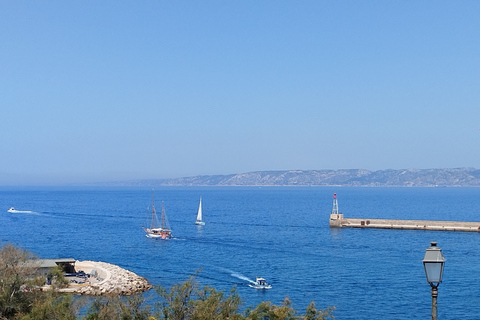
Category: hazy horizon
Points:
column 107, row 91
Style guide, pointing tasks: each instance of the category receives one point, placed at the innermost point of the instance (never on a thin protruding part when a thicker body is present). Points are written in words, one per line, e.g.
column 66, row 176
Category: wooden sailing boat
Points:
column 163, row 232
column 199, row 220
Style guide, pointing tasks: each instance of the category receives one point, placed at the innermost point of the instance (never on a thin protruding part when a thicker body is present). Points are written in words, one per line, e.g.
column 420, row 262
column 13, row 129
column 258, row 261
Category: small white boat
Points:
column 260, row 283
column 199, row 220
column 164, row 232
column 13, row 210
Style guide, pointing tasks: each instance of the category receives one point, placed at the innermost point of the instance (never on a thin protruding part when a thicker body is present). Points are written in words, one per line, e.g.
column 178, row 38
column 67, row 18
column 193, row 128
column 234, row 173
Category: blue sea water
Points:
column 280, row 233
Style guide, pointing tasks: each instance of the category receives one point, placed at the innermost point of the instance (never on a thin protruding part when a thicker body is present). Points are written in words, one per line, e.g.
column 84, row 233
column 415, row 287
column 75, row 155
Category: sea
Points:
column 279, row 233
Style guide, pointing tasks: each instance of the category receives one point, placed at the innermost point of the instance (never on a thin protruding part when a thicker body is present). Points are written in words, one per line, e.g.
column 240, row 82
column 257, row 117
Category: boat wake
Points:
column 238, row 275
column 259, row 283
column 242, row 277
column 13, row 210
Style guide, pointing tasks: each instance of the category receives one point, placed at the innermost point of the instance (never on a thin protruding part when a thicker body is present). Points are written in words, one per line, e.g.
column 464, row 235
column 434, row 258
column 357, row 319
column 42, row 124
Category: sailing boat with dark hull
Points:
column 160, row 232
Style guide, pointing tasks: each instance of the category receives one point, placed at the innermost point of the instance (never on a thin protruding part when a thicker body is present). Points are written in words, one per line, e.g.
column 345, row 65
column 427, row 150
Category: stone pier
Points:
column 107, row 279
column 338, row 221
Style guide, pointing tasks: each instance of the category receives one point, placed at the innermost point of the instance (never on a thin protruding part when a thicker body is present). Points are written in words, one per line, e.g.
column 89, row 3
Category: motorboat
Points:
column 13, row 210
column 260, row 283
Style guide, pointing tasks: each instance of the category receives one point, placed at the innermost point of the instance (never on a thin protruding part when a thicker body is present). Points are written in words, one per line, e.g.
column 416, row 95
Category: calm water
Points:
column 281, row 234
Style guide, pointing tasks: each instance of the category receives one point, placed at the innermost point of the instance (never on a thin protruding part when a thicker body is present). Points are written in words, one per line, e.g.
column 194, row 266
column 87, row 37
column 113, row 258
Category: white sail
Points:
column 199, row 214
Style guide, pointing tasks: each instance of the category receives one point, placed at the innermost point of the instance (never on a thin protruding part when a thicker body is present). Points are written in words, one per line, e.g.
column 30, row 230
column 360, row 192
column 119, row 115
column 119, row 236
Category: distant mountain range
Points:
column 457, row 177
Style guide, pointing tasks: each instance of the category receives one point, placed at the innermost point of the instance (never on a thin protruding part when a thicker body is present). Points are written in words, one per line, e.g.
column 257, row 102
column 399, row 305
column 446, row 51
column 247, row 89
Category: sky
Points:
column 95, row 91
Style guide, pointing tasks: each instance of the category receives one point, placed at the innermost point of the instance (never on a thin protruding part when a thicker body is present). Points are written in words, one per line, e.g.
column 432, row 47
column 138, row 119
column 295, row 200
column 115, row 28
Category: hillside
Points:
column 457, row 177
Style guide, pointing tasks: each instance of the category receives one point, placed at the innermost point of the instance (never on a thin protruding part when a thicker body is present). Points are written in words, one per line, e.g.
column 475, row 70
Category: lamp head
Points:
column 433, row 262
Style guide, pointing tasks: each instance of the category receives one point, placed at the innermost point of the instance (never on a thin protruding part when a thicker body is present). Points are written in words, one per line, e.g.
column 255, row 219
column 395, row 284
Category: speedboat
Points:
column 13, row 210
column 260, row 283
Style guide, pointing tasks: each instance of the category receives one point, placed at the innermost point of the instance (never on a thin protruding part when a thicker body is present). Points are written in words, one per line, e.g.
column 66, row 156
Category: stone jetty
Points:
column 338, row 221
column 107, row 279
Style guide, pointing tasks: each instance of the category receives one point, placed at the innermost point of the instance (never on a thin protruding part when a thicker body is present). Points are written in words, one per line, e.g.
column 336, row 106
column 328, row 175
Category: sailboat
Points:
column 163, row 232
column 199, row 220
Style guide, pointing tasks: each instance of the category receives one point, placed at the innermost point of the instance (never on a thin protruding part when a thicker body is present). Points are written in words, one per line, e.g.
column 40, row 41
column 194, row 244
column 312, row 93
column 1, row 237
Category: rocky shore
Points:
column 107, row 279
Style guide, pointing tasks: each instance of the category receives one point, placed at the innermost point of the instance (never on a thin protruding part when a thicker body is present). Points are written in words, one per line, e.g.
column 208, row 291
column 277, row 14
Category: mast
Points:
column 163, row 216
column 153, row 211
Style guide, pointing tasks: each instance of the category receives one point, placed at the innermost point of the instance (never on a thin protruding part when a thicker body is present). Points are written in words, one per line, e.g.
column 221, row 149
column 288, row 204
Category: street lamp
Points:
column 433, row 261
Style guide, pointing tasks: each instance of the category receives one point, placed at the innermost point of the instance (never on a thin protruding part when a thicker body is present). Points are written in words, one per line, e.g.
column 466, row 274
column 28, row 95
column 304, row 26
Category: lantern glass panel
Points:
column 433, row 271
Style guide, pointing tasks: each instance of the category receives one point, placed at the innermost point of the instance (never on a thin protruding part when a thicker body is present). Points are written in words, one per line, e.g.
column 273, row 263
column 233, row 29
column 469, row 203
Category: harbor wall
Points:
column 338, row 221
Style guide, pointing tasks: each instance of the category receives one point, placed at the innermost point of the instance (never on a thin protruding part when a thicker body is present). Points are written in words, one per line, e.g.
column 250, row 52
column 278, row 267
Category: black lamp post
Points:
column 433, row 263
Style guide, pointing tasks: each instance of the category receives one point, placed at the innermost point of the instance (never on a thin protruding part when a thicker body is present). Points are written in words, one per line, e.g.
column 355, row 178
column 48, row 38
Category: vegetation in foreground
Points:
column 21, row 298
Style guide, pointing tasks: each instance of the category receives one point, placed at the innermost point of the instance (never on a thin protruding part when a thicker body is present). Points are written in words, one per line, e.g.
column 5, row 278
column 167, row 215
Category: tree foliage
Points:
column 122, row 308
column 186, row 301
column 58, row 279
column 17, row 280
column 52, row 306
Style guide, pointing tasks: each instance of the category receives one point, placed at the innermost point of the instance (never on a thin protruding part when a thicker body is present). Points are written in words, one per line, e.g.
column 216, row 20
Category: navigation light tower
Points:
column 335, row 204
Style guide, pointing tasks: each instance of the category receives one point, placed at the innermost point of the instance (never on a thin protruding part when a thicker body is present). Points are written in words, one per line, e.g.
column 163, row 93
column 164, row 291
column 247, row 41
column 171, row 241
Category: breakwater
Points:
column 109, row 279
column 338, row 221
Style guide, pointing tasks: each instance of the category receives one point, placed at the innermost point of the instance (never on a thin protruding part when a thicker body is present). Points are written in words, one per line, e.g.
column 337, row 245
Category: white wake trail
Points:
column 241, row 277
column 237, row 275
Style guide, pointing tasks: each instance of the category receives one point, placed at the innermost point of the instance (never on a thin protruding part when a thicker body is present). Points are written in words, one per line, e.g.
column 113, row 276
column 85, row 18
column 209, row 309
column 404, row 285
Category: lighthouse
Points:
column 335, row 217
column 335, row 204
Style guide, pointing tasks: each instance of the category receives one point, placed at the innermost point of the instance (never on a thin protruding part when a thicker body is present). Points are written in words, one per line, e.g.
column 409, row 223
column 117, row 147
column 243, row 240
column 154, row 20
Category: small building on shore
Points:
column 46, row 265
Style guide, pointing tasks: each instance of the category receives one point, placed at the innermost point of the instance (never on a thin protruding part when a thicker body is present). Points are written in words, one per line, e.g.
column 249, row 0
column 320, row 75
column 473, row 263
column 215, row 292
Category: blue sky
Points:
column 113, row 90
